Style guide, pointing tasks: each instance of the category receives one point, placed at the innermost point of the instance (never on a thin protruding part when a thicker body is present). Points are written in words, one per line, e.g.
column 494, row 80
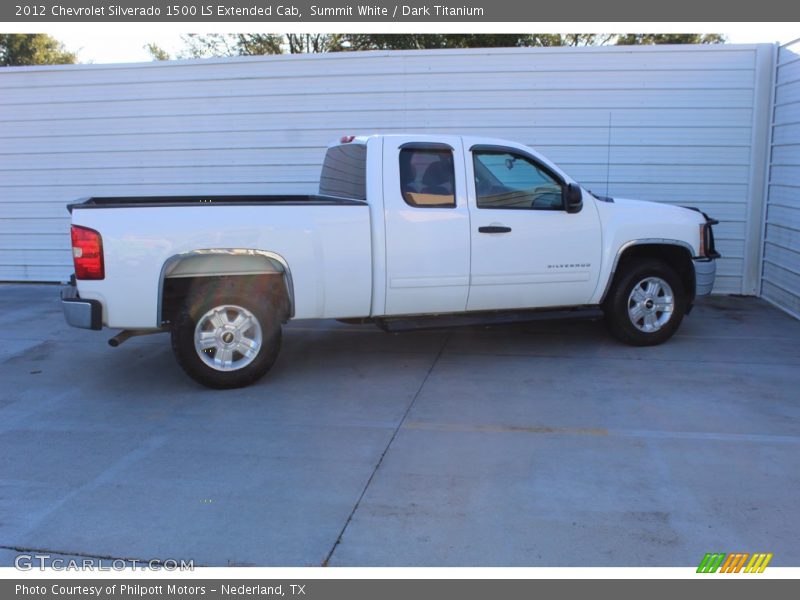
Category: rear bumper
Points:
column 704, row 273
column 78, row 312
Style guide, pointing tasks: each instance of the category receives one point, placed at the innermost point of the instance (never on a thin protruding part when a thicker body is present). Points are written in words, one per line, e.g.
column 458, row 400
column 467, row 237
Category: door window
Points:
column 427, row 178
column 508, row 180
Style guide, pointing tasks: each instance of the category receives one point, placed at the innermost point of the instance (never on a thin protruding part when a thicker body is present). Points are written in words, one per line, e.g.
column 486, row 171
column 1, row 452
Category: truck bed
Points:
column 324, row 241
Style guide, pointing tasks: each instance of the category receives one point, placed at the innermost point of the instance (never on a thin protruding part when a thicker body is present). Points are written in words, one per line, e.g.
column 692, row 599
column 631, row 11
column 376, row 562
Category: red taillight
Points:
column 346, row 139
column 87, row 253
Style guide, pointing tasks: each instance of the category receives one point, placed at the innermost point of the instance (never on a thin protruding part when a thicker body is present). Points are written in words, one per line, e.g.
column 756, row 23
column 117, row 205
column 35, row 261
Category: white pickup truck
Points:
column 405, row 228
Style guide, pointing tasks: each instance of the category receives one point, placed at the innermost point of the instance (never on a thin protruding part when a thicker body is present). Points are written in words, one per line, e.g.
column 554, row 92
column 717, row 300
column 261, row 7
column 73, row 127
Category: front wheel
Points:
column 224, row 339
column 646, row 304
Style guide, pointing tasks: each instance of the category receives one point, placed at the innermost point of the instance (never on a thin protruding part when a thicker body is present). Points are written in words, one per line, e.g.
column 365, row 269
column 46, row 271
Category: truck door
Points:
column 527, row 251
column 427, row 225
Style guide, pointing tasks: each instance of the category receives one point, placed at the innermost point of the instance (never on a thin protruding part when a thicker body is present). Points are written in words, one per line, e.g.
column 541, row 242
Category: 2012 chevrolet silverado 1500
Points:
column 404, row 227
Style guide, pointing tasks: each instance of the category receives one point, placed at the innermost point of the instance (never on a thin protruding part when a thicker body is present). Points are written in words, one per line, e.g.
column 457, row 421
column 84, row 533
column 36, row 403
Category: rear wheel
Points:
column 224, row 338
column 646, row 303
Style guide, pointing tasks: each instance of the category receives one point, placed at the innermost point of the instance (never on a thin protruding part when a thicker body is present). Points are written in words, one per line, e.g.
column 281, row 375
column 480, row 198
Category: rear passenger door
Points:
column 427, row 226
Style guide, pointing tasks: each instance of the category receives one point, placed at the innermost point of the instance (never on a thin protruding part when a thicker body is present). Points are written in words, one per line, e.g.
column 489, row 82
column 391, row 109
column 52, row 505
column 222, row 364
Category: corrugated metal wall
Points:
column 781, row 270
column 676, row 124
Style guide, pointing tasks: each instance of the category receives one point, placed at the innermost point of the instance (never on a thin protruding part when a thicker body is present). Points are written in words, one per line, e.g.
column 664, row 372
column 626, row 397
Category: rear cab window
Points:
column 344, row 172
column 427, row 177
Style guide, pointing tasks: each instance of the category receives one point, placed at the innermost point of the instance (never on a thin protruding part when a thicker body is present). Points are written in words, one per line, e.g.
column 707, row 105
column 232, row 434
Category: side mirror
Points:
column 573, row 198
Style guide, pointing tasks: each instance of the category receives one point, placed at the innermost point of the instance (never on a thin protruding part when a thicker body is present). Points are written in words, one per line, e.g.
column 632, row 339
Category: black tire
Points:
column 237, row 293
column 624, row 325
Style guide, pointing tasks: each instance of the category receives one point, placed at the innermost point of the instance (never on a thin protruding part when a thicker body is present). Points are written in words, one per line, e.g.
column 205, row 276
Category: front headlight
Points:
column 703, row 235
column 707, row 246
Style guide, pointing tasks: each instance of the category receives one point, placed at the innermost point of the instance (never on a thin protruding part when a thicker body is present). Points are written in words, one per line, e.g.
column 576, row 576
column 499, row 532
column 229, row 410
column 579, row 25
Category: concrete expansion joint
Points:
column 397, row 429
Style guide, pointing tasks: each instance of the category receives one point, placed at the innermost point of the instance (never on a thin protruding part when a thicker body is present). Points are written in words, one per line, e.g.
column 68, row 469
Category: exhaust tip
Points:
column 126, row 334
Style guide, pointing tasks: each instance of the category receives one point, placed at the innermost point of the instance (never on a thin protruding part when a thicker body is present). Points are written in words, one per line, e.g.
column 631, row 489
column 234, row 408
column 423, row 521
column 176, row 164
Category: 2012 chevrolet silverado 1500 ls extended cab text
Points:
column 404, row 227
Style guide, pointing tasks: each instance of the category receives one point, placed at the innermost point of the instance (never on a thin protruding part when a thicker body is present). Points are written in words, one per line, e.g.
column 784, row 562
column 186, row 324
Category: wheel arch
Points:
column 223, row 262
column 678, row 254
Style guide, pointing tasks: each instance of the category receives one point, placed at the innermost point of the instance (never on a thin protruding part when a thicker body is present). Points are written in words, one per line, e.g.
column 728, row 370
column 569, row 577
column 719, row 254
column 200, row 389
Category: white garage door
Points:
column 781, row 270
column 680, row 124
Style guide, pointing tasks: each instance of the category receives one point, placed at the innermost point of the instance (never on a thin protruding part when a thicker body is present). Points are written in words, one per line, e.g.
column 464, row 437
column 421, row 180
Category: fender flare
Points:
column 276, row 262
column 641, row 242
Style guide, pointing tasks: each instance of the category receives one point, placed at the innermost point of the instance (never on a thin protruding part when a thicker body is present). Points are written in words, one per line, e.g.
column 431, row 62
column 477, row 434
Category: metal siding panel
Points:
column 678, row 120
column 783, row 236
column 46, row 206
column 55, row 177
column 644, row 173
column 642, row 137
column 788, row 301
column 360, row 84
column 789, row 71
column 375, row 119
column 782, row 276
column 784, row 195
column 730, row 267
column 785, row 216
column 67, row 194
column 50, row 225
column 727, row 285
column 786, row 133
column 787, row 113
column 684, row 193
column 731, row 248
column 42, row 241
column 786, row 154
column 781, row 254
column 159, row 159
column 784, row 174
column 36, row 257
column 47, row 273
column 788, row 93
column 789, row 53
column 297, row 106
column 377, row 63
column 676, row 155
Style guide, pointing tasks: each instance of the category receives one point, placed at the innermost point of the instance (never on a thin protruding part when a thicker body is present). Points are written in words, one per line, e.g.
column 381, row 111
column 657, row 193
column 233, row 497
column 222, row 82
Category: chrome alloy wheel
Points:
column 227, row 337
column 650, row 304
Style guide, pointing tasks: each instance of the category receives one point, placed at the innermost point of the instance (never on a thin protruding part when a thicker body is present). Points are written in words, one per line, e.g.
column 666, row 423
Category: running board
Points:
column 419, row 322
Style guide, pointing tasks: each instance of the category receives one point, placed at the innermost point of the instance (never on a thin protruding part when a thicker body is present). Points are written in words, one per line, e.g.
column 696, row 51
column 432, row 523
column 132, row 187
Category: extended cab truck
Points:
column 404, row 226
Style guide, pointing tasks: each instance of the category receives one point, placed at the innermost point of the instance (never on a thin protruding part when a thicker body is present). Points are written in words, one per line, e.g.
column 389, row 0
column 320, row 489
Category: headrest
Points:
column 437, row 173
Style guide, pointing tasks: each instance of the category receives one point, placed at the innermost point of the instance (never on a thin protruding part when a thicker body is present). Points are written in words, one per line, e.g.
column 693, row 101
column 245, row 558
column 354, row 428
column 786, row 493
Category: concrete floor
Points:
column 546, row 444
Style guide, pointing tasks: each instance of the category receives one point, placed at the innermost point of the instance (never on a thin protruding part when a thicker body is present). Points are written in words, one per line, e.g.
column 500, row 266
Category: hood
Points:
column 658, row 210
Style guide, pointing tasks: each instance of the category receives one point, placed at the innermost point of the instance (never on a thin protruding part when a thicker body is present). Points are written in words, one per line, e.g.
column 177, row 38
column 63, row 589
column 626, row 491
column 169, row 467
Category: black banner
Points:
column 733, row 588
column 381, row 11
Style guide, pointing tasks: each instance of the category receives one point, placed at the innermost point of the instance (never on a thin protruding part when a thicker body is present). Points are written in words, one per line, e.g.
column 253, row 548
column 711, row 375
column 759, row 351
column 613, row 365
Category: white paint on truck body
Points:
column 385, row 257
